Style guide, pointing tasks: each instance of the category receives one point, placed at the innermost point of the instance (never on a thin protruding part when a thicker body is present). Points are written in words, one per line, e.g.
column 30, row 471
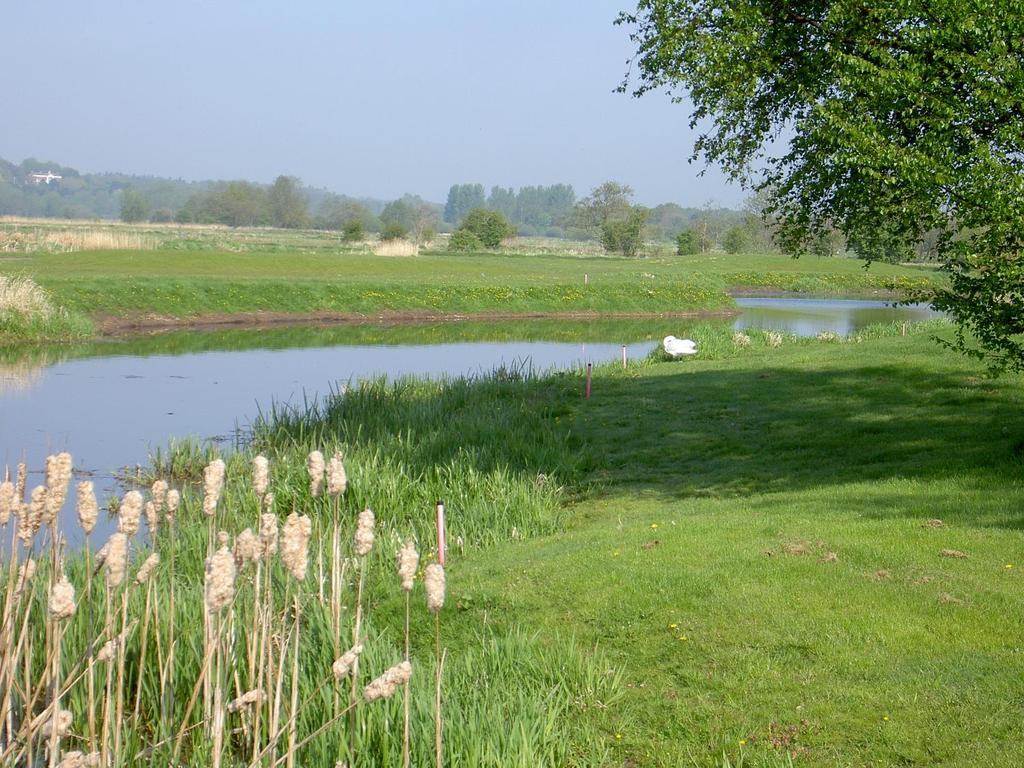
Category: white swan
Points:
column 676, row 347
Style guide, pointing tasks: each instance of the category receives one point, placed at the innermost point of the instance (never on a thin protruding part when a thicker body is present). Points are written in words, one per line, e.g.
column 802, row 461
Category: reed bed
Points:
column 255, row 611
column 396, row 248
column 27, row 313
column 74, row 239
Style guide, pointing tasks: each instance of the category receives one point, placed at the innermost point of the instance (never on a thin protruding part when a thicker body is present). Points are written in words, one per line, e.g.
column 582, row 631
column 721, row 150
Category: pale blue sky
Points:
column 362, row 98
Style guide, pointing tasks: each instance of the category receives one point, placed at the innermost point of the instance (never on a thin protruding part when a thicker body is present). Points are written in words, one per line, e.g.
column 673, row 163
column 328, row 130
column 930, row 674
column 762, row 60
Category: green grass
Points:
column 726, row 485
column 192, row 283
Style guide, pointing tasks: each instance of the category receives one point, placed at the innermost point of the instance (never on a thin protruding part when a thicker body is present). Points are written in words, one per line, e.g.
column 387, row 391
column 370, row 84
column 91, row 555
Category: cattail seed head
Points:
column 88, row 509
column 37, row 508
column 247, row 548
column 151, row 517
column 268, row 535
column 433, row 581
column 294, row 544
column 19, row 485
column 364, row 533
column 268, row 502
column 220, row 579
column 213, row 485
column 159, row 494
column 342, row 666
column 109, row 649
column 315, row 466
column 337, row 480
column 384, row 687
column 6, row 501
column 173, row 501
column 260, row 475
column 25, row 574
column 116, row 559
column 64, row 719
column 78, row 759
column 130, row 513
column 62, row 600
column 408, row 562
column 147, row 568
column 58, row 475
column 247, row 699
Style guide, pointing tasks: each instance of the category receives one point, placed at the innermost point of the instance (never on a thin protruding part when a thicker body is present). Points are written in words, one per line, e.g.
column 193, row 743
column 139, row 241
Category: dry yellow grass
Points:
column 396, row 248
column 20, row 295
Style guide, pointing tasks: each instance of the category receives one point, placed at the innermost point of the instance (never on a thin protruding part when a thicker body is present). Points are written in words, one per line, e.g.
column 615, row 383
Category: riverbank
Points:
column 125, row 291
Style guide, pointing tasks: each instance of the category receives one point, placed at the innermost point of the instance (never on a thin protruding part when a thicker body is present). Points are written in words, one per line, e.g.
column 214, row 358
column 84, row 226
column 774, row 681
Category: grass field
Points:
column 317, row 276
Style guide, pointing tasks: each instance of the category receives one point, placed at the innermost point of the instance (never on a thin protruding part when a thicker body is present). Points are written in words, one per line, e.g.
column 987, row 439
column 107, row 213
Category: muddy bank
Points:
column 145, row 323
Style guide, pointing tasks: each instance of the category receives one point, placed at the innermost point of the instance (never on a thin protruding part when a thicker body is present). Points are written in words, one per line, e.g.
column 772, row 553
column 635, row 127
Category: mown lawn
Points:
column 811, row 553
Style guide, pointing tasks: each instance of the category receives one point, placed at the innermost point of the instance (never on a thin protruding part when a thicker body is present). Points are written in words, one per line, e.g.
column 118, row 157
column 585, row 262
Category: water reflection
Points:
column 808, row 317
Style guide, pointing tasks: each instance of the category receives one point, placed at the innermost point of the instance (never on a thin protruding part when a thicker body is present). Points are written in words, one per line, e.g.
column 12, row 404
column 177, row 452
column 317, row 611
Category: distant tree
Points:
column 462, row 198
column 352, row 231
column 686, row 243
column 463, row 239
column 490, row 227
column 624, row 234
column 607, row 202
column 736, row 240
column 416, row 216
column 336, row 212
column 394, row 231
column 134, row 207
column 288, row 205
column 161, row 216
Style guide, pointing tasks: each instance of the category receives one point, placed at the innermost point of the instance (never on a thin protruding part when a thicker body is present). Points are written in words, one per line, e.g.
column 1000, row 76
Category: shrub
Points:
column 394, row 231
column 687, row 243
column 352, row 231
column 464, row 240
column 491, row 227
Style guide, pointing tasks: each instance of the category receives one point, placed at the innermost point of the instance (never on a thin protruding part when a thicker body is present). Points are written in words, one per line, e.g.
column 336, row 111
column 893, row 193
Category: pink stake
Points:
column 440, row 532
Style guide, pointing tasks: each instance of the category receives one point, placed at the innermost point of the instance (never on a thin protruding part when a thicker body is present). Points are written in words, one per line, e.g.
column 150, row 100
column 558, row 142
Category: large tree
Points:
column 889, row 121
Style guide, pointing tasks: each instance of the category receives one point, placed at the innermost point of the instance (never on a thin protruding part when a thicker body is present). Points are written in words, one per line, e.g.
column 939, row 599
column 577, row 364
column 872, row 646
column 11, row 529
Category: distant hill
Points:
column 98, row 195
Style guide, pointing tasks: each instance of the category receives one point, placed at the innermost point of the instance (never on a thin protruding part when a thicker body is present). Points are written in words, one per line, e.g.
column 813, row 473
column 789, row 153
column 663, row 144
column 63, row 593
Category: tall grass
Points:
column 27, row 313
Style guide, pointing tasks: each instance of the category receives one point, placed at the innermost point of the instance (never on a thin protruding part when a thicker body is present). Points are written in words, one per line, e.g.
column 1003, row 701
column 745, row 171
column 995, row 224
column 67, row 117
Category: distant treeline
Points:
column 532, row 210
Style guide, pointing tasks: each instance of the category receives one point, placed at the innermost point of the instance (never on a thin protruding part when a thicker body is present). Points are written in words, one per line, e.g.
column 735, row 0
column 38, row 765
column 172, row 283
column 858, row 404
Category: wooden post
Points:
column 623, row 357
column 590, row 367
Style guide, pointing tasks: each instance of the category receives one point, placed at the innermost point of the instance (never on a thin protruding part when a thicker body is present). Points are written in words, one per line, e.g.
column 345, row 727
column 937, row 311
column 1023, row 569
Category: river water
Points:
column 110, row 404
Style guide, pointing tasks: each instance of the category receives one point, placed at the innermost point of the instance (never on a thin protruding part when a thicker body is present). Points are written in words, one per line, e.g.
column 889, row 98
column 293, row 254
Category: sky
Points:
column 368, row 99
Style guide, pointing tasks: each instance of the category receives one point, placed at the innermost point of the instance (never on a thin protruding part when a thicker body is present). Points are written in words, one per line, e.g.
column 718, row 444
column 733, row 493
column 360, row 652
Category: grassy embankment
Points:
column 193, row 285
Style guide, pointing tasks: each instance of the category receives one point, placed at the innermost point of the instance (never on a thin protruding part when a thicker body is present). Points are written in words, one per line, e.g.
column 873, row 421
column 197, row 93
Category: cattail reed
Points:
column 19, row 485
column 364, row 533
column 315, row 467
column 130, row 513
column 152, row 517
column 213, row 485
column 384, row 687
column 247, row 699
column 268, row 535
column 434, row 582
column 247, row 548
column 116, row 558
column 295, row 543
column 88, row 509
column 260, row 475
column 59, row 469
column 408, row 562
column 342, row 666
column 146, row 569
column 25, row 574
column 62, row 600
column 79, row 759
column 6, row 502
column 37, row 508
column 220, row 579
column 173, row 500
column 158, row 491
column 337, row 480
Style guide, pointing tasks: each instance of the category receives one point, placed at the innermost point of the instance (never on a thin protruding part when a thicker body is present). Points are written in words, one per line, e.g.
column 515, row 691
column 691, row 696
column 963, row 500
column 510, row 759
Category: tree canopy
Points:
column 889, row 121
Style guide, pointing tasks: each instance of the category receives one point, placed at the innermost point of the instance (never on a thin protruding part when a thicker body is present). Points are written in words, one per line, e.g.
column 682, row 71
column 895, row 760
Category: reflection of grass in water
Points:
column 18, row 376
